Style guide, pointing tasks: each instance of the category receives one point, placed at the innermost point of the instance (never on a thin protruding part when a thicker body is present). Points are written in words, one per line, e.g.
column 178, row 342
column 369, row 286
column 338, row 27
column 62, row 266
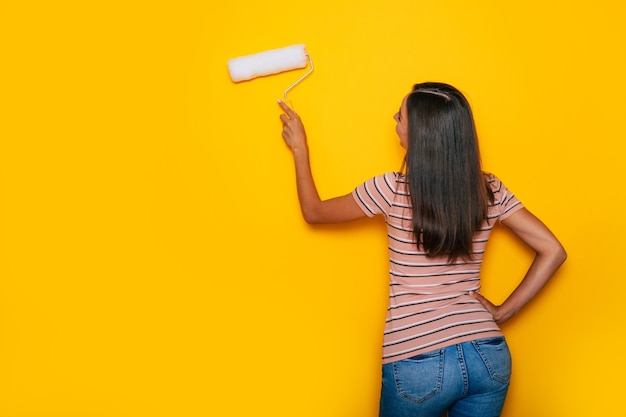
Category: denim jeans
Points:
column 470, row 379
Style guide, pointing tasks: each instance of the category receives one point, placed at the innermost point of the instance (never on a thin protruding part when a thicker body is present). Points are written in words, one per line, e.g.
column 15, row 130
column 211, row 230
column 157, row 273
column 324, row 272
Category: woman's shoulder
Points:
column 398, row 176
column 393, row 181
column 390, row 177
column 500, row 191
column 493, row 181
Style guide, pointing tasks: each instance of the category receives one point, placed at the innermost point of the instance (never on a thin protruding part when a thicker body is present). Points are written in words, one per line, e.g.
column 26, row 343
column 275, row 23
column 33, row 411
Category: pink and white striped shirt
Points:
column 429, row 302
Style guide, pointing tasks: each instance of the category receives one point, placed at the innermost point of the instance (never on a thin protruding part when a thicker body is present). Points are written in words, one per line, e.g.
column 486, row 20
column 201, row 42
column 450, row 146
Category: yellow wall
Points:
column 153, row 261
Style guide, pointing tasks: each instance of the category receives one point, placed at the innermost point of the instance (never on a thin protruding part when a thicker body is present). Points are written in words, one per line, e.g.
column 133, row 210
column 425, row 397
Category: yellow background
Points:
column 153, row 261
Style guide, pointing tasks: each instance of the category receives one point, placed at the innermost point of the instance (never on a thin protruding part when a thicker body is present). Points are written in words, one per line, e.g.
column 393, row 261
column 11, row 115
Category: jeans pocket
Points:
column 496, row 357
column 420, row 377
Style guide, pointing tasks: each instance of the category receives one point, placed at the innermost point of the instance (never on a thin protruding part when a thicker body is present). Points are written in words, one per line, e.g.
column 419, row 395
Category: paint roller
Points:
column 271, row 62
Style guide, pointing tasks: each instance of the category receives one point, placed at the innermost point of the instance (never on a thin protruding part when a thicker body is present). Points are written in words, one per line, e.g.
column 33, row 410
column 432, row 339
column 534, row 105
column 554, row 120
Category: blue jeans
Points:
column 470, row 379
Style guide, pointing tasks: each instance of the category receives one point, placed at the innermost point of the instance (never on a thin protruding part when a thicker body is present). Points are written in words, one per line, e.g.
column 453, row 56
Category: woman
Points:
column 443, row 349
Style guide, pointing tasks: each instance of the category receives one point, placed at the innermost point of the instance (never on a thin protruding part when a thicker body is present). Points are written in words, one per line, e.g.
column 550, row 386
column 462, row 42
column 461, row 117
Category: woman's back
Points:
column 429, row 302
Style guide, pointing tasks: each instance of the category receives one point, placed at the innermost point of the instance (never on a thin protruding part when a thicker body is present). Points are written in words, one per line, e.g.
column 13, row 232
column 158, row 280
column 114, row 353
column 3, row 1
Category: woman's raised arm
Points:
column 314, row 210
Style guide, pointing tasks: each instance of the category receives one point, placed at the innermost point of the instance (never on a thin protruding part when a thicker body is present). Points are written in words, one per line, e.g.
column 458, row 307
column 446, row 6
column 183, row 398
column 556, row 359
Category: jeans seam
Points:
column 463, row 366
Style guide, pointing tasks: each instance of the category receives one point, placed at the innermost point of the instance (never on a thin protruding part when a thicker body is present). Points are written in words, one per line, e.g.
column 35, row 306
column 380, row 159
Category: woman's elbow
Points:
column 311, row 217
column 559, row 253
column 311, row 220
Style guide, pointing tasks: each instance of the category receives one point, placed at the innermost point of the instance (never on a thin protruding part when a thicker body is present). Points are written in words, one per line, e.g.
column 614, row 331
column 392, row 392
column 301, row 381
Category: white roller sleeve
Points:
column 268, row 62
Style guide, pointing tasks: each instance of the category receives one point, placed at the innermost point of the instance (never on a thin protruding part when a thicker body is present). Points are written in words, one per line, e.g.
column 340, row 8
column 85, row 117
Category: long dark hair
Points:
column 449, row 192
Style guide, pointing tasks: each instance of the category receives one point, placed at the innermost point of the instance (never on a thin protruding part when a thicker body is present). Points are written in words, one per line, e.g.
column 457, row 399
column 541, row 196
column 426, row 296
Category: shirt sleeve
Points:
column 505, row 202
column 376, row 195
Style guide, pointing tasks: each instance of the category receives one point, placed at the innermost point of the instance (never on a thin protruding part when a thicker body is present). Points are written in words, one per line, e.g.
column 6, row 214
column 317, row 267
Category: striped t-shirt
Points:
column 429, row 302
